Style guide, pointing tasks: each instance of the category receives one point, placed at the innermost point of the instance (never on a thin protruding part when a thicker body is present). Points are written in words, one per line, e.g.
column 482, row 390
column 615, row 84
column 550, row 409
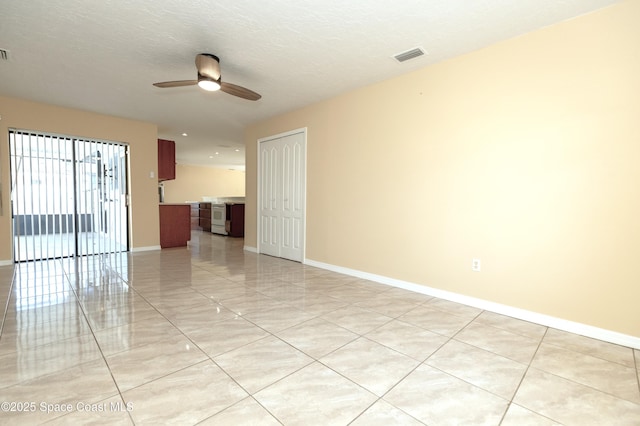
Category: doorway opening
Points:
column 68, row 196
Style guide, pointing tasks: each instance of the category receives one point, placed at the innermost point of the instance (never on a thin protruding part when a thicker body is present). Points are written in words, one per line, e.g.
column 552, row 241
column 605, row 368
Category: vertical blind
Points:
column 68, row 196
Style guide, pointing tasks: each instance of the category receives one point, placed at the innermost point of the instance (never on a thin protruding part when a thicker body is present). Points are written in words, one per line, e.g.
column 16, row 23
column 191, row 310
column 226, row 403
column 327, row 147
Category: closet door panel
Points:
column 282, row 186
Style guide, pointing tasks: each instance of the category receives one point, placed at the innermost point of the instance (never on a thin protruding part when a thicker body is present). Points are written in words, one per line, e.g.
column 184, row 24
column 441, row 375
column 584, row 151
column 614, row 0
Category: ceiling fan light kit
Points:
column 209, row 78
column 207, row 83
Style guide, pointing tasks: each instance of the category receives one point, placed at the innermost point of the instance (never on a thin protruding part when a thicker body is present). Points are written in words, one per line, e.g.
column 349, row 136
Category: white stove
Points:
column 219, row 218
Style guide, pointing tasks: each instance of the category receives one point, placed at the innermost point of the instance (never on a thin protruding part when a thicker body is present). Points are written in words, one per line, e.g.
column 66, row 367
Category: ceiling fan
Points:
column 209, row 78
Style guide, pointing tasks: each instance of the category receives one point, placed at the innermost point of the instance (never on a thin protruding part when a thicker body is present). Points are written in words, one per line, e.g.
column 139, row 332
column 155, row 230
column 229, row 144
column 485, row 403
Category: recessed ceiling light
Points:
column 217, row 153
column 211, row 156
column 237, row 150
column 184, row 134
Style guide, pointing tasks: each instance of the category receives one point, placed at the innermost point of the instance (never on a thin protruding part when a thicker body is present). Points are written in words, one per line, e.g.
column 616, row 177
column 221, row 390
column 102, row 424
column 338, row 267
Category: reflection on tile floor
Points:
column 211, row 334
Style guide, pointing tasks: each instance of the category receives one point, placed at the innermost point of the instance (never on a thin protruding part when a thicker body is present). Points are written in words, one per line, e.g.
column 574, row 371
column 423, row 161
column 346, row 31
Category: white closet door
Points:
column 269, row 204
column 282, row 196
column 292, row 155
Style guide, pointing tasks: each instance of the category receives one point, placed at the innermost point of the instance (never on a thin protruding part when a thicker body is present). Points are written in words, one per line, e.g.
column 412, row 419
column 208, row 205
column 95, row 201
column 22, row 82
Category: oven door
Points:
column 218, row 218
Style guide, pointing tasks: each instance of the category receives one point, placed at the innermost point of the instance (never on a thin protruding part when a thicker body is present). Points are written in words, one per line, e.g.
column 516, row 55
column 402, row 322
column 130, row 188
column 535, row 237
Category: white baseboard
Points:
column 251, row 249
column 6, row 262
column 149, row 248
column 523, row 314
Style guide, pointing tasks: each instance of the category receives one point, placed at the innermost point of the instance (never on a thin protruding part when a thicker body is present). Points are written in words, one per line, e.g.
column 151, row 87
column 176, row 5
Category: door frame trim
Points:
column 304, row 131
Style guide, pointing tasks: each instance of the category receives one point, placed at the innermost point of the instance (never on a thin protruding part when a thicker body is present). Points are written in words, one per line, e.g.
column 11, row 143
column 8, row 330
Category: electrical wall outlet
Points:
column 475, row 265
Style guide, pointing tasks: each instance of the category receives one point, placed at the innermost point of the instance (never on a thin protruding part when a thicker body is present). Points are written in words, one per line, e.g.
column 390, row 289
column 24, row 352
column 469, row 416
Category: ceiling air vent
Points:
column 4, row 54
column 409, row 54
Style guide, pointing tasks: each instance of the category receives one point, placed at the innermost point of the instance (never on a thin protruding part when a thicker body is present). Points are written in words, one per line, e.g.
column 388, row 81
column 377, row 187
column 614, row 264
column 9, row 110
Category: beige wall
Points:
column 525, row 154
column 194, row 182
column 141, row 137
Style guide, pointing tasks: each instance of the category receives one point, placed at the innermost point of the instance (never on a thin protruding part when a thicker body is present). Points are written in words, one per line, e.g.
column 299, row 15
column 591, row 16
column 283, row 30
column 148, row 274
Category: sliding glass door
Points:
column 68, row 196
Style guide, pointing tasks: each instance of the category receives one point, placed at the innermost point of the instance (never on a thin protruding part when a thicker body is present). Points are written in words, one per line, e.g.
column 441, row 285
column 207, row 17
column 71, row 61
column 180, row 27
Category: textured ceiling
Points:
column 103, row 56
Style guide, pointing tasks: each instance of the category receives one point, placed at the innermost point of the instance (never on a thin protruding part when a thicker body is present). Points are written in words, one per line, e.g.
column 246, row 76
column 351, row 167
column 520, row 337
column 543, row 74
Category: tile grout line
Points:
column 420, row 363
column 6, row 305
column 524, row 375
column 209, row 357
column 453, row 338
column 378, row 397
column 86, row 318
column 317, row 360
column 580, row 383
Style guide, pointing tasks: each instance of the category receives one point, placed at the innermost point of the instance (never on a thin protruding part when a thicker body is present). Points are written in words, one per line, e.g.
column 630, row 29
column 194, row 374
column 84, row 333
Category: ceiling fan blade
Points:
column 208, row 65
column 178, row 83
column 239, row 91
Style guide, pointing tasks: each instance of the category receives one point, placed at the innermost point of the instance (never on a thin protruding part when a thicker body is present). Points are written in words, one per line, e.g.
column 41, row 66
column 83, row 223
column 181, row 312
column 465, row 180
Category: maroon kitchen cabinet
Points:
column 175, row 225
column 205, row 216
column 235, row 220
column 166, row 160
column 195, row 216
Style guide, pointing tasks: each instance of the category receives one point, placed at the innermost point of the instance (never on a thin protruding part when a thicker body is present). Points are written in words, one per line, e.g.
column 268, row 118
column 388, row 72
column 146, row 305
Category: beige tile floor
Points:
column 218, row 336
